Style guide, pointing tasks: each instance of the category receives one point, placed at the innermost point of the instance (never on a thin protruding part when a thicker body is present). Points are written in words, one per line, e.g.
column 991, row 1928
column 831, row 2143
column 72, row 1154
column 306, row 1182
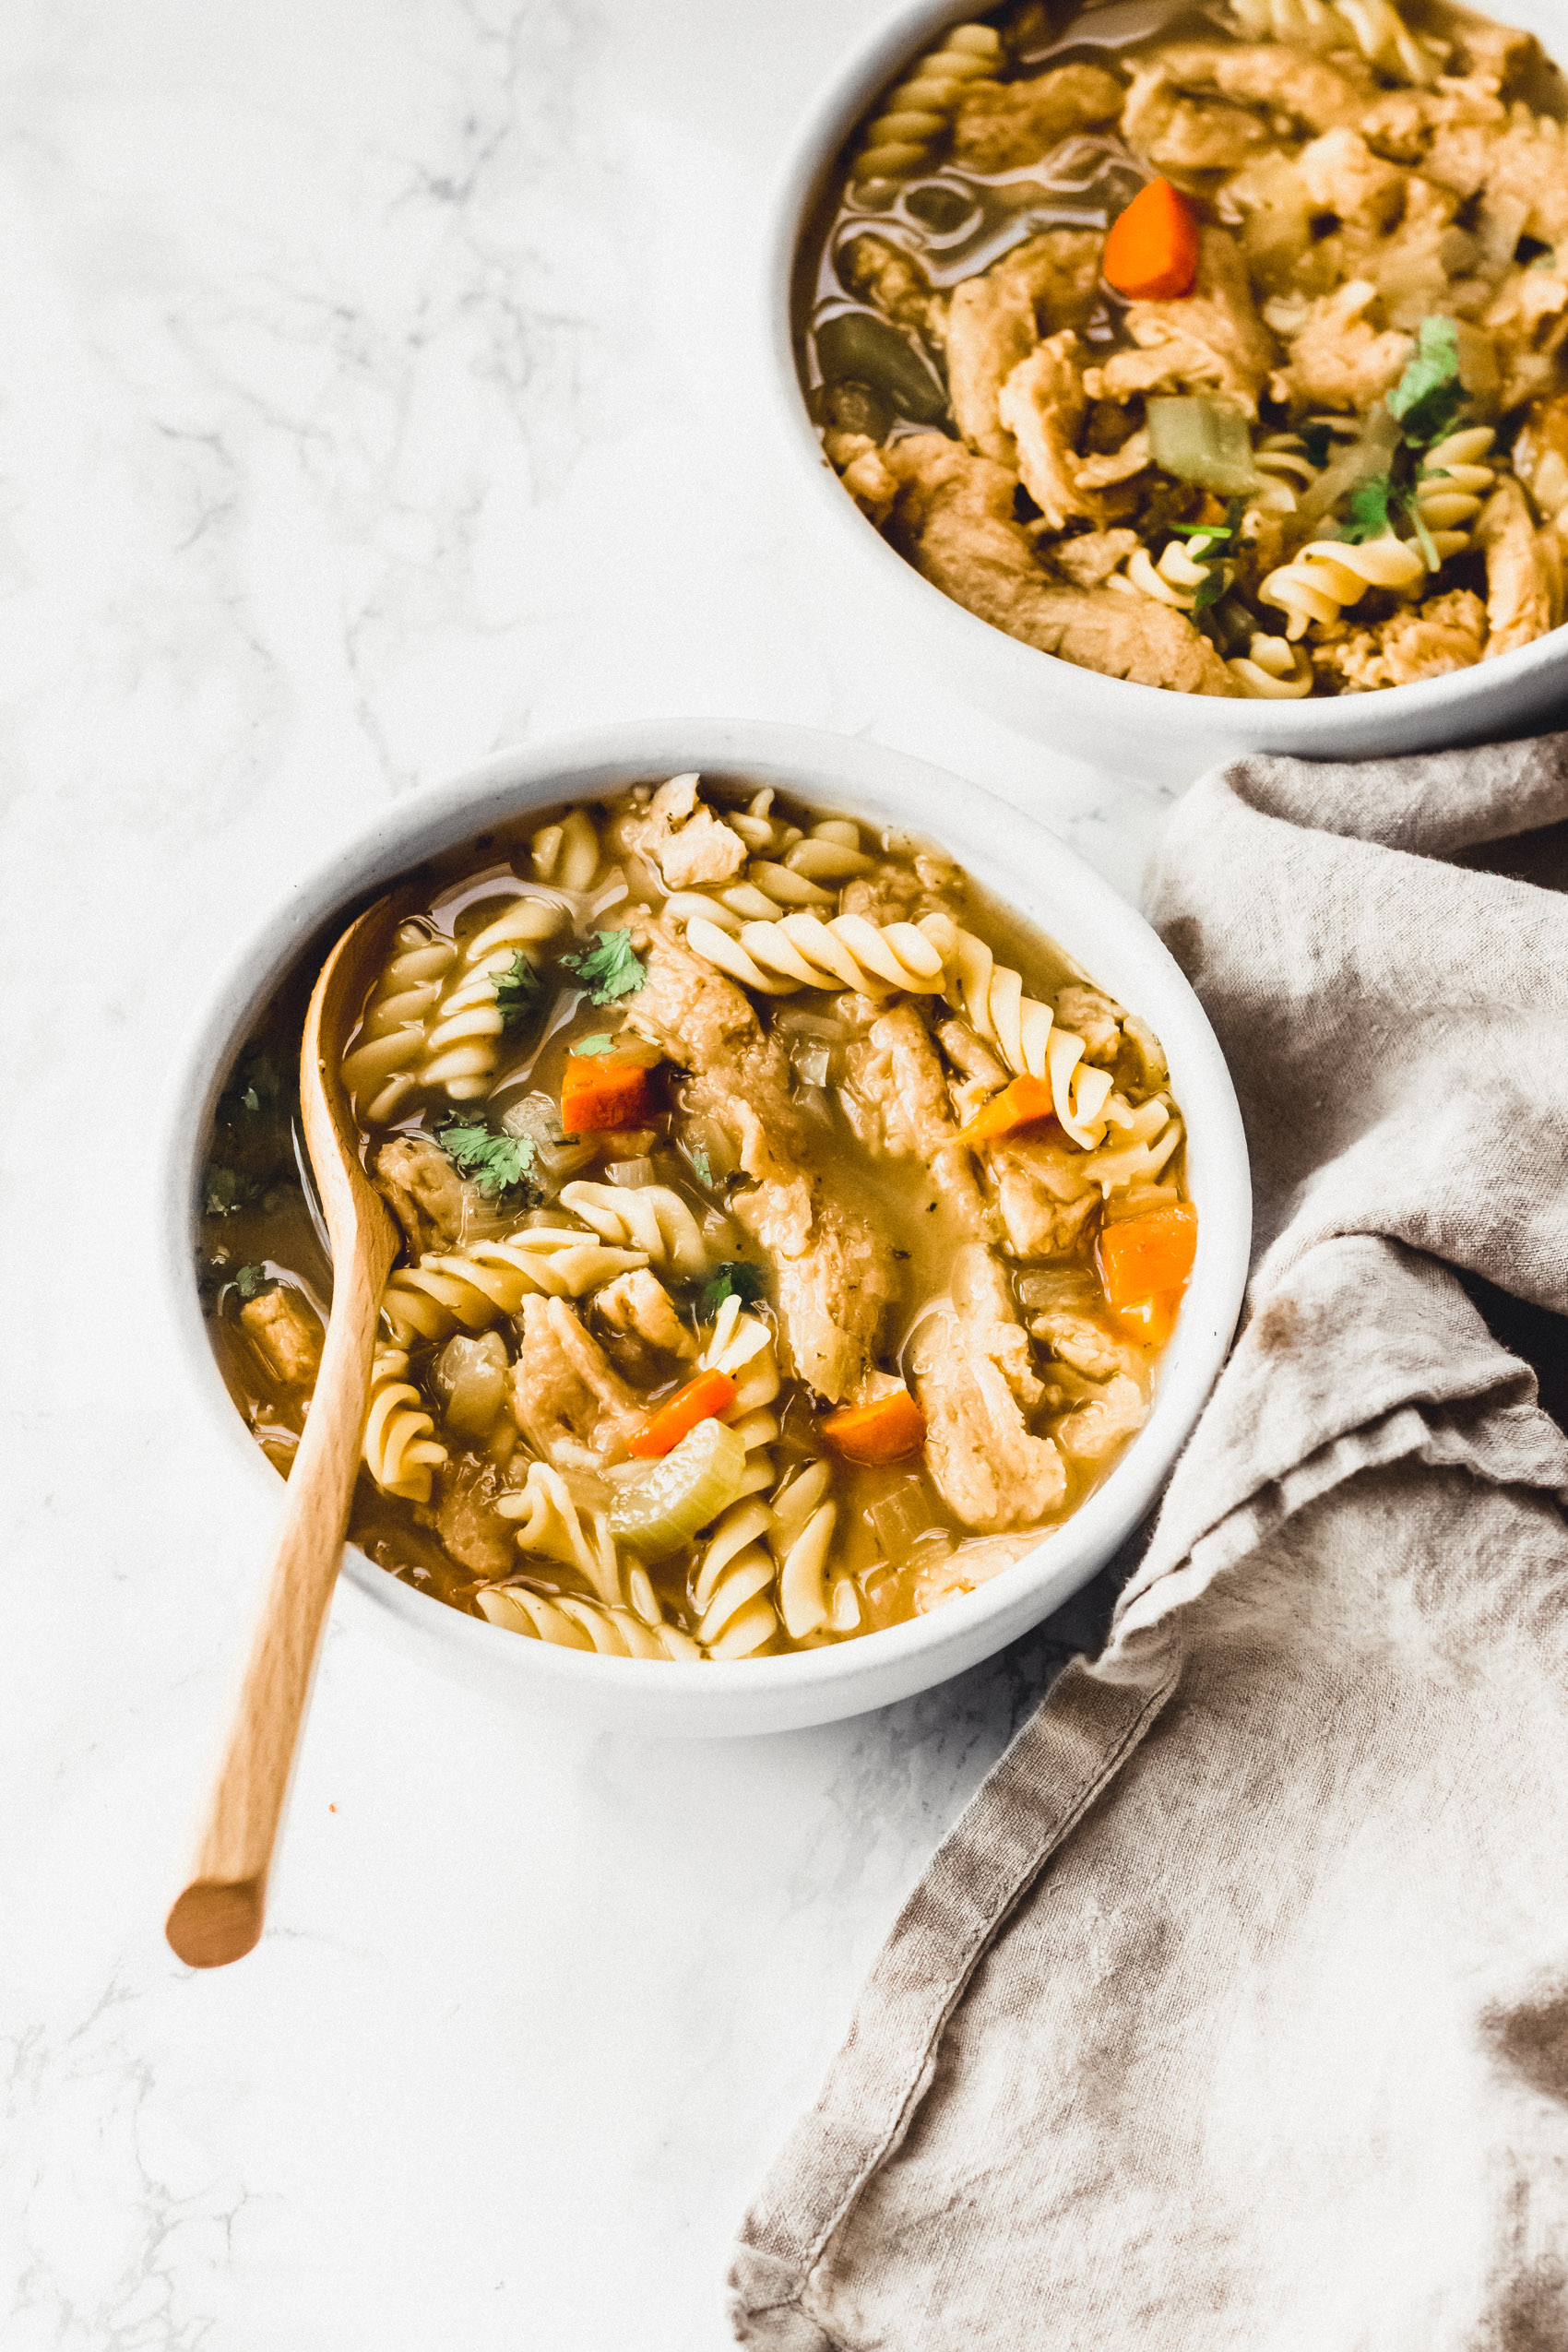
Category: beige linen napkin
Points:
column 1235, row 2011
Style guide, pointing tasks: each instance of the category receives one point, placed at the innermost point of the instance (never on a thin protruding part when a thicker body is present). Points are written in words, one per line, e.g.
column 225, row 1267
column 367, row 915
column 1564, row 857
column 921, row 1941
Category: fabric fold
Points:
column 1204, row 2026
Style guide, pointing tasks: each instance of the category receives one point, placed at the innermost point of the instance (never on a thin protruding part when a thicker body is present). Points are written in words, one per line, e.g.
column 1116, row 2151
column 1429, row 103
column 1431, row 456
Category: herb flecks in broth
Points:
column 1219, row 347
column 801, row 1257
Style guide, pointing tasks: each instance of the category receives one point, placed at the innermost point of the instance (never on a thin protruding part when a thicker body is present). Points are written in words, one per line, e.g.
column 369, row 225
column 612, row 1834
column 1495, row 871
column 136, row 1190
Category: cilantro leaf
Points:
column 250, row 1281
column 590, row 1046
column 702, row 1167
column 497, row 1163
column 739, row 1279
column 1429, row 396
column 1368, row 517
column 611, row 968
column 519, row 993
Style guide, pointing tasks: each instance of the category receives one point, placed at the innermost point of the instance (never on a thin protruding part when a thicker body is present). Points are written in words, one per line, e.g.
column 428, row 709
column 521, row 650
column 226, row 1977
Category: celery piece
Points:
column 1203, row 441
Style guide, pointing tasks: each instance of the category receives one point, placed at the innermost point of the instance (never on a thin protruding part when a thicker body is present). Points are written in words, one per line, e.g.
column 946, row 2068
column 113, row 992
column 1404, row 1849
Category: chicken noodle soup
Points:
column 1214, row 344
column 789, row 1235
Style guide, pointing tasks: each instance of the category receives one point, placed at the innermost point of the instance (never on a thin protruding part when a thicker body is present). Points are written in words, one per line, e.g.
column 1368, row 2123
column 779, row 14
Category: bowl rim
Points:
column 843, row 771
column 829, row 118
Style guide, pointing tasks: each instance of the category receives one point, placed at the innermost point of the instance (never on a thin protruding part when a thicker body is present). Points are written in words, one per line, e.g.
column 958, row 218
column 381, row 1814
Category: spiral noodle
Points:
column 1281, row 459
column 649, row 1217
column 790, row 881
column 567, row 854
column 474, row 1287
column 400, row 1445
column 1270, row 670
column 1452, row 486
column 923, row 104
column 1175, row 580
column 1138, row 1144
column 1329, row 573
column 1374, row 25
column 432, row 1019
column 572, row 1623
column 552, row 1528
column 742, row 1346
column 801, row 951
column 730, row 1587
column 991, row 996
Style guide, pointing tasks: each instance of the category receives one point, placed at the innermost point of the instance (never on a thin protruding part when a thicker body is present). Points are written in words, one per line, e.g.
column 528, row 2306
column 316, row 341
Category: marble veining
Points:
column 379, row 387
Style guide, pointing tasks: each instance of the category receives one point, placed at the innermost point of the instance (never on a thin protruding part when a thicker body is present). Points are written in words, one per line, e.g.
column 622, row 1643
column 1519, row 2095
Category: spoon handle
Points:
column 217, row 1915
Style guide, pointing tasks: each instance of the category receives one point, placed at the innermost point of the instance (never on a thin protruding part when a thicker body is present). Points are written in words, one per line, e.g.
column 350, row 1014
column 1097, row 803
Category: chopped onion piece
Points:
column 1203, row 441
column 633, row 1173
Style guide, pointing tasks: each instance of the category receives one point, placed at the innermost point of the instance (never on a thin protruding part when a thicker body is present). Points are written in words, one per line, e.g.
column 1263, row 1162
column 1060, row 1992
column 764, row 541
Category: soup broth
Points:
column 1218, row 347
column 790, row 1234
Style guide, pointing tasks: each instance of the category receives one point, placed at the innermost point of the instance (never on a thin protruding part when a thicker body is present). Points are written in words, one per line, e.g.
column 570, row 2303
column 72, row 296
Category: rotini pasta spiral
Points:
column 381, row 1071
column 400, row 1446
column 1270, row 671
column 432, row 1020
column 1175, row 580
column 1281, row 459
column 801, row 951
column 474, row 1287
column 1329, row 573
column 567, row 854
column 743, row 1346
column 1452, row 486
column 1138, row 1144
column 577, row 1624
column 652, row 1218
column 551, row 1527
column 1375, row 27
column 923, row 104
column 991, row 996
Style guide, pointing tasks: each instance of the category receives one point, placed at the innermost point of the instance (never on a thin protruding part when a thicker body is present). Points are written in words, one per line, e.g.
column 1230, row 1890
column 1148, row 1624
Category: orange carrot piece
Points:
column 1018, row 1105
column 598, row 1094
column 1144, row 1255
column 710, row 1393
column 887, row 1430
column 1151, row 254
column 1152, row 1321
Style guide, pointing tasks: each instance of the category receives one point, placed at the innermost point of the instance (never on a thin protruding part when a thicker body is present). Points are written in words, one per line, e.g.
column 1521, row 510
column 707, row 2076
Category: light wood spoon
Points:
column 218, row 1915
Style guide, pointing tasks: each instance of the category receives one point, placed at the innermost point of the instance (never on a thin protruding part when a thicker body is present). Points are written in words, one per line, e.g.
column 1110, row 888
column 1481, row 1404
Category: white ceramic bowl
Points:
column 1016, row 857
column 1143, row 730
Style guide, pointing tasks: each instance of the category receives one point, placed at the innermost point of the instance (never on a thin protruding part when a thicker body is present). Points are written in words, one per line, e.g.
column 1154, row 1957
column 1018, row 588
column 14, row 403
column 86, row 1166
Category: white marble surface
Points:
column 377, row 387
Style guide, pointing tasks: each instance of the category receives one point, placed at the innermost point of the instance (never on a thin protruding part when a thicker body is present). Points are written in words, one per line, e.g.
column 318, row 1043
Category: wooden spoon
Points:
column 219, row 1916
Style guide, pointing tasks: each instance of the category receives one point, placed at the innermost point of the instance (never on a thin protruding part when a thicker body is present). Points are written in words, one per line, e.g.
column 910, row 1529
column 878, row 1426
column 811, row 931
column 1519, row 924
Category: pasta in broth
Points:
column 1219, row 345
column 789, row 1236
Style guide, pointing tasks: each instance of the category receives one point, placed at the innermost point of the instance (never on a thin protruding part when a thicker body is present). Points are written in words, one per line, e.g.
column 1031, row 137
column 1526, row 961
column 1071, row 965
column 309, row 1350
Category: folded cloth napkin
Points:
column 1234, row 2010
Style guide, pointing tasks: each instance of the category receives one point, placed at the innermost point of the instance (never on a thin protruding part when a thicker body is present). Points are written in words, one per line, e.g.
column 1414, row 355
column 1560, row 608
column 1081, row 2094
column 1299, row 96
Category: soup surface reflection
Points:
column 791, row 1236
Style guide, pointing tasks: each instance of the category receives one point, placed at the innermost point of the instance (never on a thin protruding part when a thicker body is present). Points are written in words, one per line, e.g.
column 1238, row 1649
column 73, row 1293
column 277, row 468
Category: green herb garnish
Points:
column 1368, row 517
column 737, row 1280
column 497, row 1163
column 519, row 993
column 592, row 1046
column 611, row 969
column 701, row 1165
column 227, row 1189
column 250, row 1281
column 1429, row 396
column 1213, row 546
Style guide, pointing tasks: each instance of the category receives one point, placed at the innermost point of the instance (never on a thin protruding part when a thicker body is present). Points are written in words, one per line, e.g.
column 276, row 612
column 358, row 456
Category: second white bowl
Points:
column 1143, row 730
